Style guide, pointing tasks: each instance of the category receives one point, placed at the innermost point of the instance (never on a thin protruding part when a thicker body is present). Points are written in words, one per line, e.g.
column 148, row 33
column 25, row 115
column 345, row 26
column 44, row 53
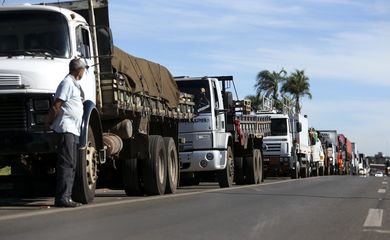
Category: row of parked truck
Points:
column 293, row 149
column 143, row 130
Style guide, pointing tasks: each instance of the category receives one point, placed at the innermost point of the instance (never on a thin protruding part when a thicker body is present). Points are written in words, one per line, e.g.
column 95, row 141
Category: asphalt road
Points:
column 336, row 207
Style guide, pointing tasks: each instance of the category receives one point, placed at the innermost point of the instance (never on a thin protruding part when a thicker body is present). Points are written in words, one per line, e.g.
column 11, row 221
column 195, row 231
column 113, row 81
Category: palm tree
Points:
column 268, row 83
column 297, row 84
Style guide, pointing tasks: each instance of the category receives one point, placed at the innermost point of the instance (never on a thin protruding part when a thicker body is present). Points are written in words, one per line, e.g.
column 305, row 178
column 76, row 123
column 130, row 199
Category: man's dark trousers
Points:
column 66, row 166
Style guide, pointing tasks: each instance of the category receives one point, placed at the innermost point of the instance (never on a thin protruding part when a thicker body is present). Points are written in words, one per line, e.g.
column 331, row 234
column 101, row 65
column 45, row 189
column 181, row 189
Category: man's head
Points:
column 77, row 68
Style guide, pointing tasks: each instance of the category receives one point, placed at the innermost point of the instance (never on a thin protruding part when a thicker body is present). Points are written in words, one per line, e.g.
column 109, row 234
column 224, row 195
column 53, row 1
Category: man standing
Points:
column 65, row 117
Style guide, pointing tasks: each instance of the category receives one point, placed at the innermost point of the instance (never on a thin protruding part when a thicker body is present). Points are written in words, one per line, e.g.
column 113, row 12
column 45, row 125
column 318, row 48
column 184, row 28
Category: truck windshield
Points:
column 33, row 33
column 201, row 92
column 278, row 127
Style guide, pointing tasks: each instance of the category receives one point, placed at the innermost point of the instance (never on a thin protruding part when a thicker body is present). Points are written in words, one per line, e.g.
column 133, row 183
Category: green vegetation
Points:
column 5, row 171
column 293, row 88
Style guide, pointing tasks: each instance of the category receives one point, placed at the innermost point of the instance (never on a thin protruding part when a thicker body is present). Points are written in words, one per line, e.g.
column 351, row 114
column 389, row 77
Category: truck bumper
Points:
column 277, row 164
column 24, row 142
column 197, row 161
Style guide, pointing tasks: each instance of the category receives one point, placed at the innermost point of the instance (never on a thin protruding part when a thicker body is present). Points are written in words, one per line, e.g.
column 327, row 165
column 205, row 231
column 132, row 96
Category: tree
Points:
column 268, row 83
column 256, row 102
column 297, row 84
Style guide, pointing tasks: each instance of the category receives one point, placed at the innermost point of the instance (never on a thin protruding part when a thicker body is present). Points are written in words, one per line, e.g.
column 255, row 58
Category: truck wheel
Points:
column 155, row 167
column 251, row 176
column 239, row 175
column 322, row 171
column 304, row 172
column 226, row 176
column 130, row 177
column 317, row 171
column 259, row 165
column 172, row 165
column 295, row 172
column 86, row 171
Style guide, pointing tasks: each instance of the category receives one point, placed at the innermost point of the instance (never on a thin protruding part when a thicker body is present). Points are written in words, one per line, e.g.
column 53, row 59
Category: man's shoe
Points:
column 67, row 204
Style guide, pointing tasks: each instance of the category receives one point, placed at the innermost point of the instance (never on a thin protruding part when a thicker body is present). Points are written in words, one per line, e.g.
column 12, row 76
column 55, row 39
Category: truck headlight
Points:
column 209, row 156
column 41, row 104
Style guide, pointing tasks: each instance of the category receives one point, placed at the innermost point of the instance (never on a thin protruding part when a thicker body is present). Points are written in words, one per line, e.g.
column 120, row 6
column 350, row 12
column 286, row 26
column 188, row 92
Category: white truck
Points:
column 132, row 107
column 223, row 142
column 286, row 150
column 330, row 143
column 317, row 156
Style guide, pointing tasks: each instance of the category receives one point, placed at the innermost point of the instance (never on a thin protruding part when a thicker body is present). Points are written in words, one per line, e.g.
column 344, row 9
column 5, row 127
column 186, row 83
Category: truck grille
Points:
column 10, row 79
column 273, row 147
column 12, row 112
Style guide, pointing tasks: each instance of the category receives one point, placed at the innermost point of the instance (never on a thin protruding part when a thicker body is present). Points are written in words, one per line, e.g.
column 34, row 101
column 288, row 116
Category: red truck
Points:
column 344, row 154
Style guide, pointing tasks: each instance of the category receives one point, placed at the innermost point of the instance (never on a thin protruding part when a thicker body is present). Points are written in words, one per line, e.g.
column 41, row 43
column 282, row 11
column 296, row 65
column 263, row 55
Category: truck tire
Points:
column 172, row 165
column 259, row 165
column 295, row 172
column 251, row 174
column 155, row 167
column 86, row 171
column 316, row 173
column 130, row 177
column 239, row 174
column 226, row 176
column 322, row 171
column 304, row 172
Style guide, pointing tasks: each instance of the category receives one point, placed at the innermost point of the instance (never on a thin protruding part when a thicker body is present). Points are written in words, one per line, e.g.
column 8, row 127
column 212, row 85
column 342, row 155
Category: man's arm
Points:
column 54, row 110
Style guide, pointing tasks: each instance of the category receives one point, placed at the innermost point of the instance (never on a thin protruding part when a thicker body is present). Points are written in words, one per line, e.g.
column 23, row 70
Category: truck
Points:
column 317, row 157
column 286, row 149
column 224, row 140
column 132, row 108
column 329, row 144
column 345, row 154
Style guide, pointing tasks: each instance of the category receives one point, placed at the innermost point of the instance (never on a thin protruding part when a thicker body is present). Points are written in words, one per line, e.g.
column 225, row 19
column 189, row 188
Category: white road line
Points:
column 381, row 190
column 374, row 218
column 377, row 231
column 384, row 183
column 127, row 201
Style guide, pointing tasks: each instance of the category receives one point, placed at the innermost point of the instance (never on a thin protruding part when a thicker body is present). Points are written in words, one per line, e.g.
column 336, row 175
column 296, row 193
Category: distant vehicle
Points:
column 379, row 174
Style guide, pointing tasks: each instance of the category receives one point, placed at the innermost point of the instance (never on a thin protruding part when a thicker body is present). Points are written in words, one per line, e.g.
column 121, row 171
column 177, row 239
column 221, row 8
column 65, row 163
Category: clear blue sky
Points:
column 343, row 45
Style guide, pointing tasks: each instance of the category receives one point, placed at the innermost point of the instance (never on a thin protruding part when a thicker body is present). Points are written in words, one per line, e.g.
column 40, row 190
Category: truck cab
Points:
column 36, row 45
column 205, row 139
column 277, row 146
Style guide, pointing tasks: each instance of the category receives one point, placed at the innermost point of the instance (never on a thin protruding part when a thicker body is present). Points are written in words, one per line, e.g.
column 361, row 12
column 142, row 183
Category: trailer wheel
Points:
column 172, row 165
column 251, row 175
column 259, row 165
column 239, row 174
column 322, row 171
column 304, row 172
column 155, row 167
column 130, row 177
column 317, row 171
column 86, row 171
column 226, row 176
column 295, row 172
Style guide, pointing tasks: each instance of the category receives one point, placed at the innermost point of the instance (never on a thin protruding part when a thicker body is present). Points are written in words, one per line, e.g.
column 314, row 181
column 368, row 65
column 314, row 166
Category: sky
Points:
column 343, row 46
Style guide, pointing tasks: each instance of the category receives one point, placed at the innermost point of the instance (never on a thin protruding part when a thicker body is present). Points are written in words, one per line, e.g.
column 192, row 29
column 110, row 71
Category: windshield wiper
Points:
column 10, row 53
column 40, row 52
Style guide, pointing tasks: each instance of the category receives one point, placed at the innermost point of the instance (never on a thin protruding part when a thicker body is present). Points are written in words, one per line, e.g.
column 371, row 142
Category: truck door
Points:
column 84, row 51
column 220, row 123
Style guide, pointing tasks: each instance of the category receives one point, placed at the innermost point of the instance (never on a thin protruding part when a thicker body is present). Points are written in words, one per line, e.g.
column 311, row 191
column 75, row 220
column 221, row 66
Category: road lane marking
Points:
column 381, row 190
column 384, row 183
column 377, row 231
column 374, row 218
column 137, row 200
